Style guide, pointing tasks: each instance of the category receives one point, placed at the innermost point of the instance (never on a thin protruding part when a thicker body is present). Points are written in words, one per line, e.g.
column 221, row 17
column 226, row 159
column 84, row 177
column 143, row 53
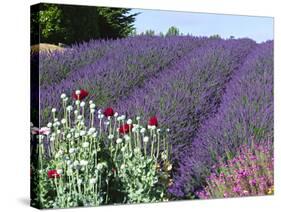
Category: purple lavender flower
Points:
column 246, row 111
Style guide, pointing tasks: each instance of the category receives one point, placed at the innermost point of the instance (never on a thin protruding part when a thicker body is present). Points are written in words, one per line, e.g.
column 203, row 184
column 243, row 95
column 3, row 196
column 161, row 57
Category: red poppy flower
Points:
column 125, row 128
column 81, row 96
column 53, row 174
column 153, row 121
column 108, row 112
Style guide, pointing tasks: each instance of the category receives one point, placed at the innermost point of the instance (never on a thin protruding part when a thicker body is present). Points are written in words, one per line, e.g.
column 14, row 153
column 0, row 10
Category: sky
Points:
column 203, row 24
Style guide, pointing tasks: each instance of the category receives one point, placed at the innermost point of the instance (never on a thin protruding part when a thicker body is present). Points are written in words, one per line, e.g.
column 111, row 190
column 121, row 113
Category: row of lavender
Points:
column 128, row 65
column 245, row 115
column 184, row 95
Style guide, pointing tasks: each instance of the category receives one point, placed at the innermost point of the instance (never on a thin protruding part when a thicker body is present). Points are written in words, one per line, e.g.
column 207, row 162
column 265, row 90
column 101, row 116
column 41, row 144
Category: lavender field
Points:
column 165, row 118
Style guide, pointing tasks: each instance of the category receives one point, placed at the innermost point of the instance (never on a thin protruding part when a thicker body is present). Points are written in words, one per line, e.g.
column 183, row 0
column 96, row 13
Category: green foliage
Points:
column 55, row 23
column 216, row 36
column 149, row 32
column 115, row 22
column 50, row 23
column 173, row 31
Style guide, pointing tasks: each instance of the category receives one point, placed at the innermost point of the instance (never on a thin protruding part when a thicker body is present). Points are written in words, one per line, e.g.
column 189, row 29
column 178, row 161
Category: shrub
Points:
column 250, row 173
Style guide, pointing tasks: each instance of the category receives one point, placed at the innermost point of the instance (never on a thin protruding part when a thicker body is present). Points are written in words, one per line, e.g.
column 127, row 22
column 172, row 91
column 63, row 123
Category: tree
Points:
column 173, row 31
column 149, row 32
column 216, row 36
column 55, row 23
column 115, row 22
column 161, row 34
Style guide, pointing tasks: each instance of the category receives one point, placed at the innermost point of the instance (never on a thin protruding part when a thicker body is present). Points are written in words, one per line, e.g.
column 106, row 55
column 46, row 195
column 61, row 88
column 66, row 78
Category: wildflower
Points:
column 62, row 96
column 59, row 171
column 49, row 125
column 127, row 138
column 137, row 118
column 95, row 135
column 85, row 144
column 115, row 114
column 79, row 181
column 82, row 104
column 253, row 182
column 145, row 139
column 79, row 117
column 82, row 133
column 92, row 130
column 69, row 171
column 54, row 110
column 125, row 128
column 153, row 121
column 151, row 127
column 92, row 106
column 110, row 137
column 80, row 94
column 236, row 189
column 63, row 121
column 77, row 92
column 83, row 162
column 53, row 174
column 142, row 130
column 71, row 150
column 119, row 140
column 68, row 162
column 129, row 121
column 108, row 112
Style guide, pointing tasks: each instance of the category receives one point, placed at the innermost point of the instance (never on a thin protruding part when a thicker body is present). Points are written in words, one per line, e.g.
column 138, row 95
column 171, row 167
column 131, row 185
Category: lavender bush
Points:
column 123, row 69
column 183, row 95
column 246, row 111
